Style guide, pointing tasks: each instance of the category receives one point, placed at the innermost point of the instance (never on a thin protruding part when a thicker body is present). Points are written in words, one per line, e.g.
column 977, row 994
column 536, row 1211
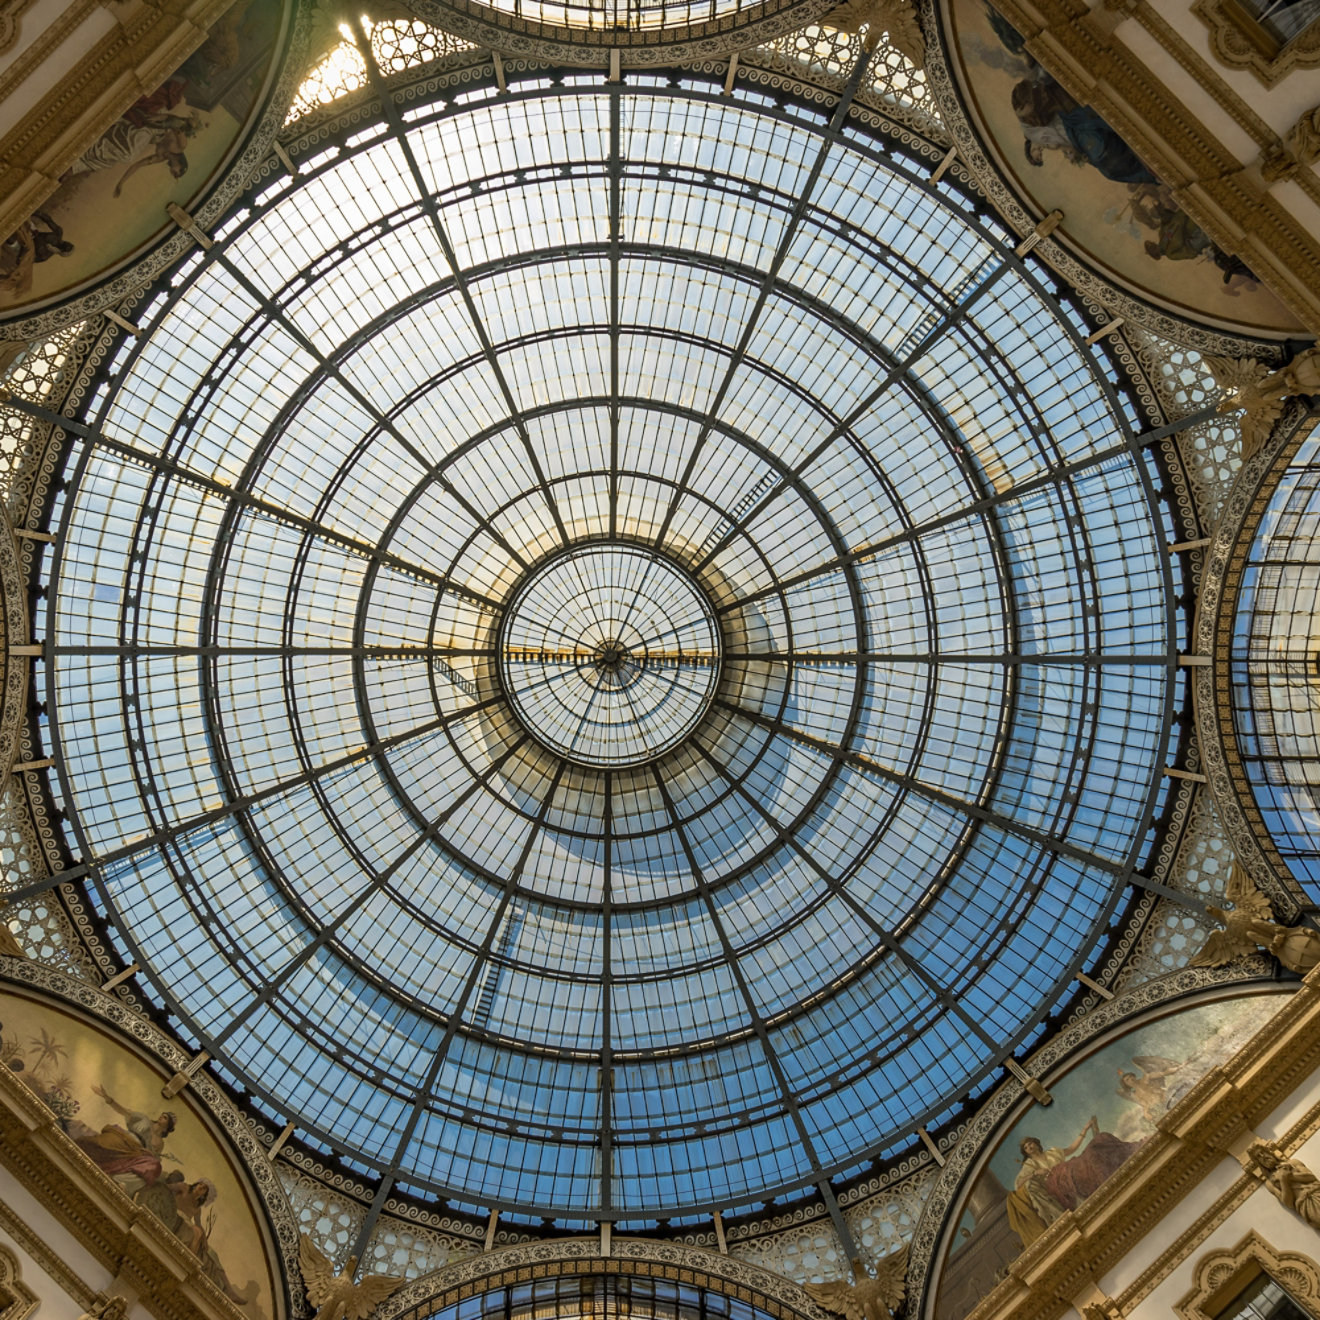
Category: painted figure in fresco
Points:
column 141, row 138
column 36, row 240
column 131, row 1154
column 1056, row 1180
column 1147, row 1087
column 1050, row 117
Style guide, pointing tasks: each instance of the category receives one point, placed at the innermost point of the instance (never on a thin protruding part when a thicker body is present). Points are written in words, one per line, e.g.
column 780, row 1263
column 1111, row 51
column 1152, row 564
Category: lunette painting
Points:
column 160, row 1153
column 1126, row 221
column 1104, row 1109
column 165, row 148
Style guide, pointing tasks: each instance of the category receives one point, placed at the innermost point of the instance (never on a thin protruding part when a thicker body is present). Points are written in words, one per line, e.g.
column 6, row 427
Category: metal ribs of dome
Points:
column 774, row 355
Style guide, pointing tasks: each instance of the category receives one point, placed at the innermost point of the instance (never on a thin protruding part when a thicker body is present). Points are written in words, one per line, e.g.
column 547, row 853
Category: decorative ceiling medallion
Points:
column 667, row 32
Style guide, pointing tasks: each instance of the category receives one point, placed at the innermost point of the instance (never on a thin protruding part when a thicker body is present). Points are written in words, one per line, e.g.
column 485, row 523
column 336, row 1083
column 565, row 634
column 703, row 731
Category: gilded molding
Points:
column 113, row 1215
column 1242, row 43
column 117, row 288
column 1193, row 1136
column 58, row 1269
column 1208, row 181
column 1221, row 1273
column 1300, row 147
column 128, row 62
column 11, row 13
column 127, row 1240
column 17, row 1300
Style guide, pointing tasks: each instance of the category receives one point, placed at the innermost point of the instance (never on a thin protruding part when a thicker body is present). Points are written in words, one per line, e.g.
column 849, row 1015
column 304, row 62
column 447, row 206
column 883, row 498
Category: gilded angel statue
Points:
column 1260, row 393
column 870, row 1298
column 336, row 1296
column 1251, row 925
column 896, row 17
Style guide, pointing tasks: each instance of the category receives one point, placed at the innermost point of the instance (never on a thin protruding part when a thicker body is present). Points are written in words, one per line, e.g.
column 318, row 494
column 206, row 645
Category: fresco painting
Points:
column 1104, row 1110
column 165, row 148
column 1062, row 154
column 159, row 1153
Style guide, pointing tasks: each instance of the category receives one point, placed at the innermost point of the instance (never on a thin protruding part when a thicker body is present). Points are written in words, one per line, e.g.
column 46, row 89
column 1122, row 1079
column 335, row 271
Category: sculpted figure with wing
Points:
column 336, row 1296
column 1251, row 925
column 870, row 1298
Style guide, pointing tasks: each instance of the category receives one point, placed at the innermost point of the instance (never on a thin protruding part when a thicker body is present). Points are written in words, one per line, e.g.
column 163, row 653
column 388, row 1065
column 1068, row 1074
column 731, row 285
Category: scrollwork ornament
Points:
column 491, row 28
column 89, row 1001
column 113, row 291
column 1001, row 1106
column 1220, row 1270
column 1224, row 562
column 773, row 1293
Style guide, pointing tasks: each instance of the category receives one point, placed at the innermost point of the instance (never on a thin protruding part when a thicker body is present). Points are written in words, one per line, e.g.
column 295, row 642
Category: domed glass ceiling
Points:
column 628, row 657
column 1276, row 666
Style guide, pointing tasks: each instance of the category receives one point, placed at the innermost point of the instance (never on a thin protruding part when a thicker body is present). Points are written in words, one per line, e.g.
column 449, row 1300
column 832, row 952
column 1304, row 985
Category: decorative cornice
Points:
column 54, row 1265
column 171, row 244
column 976, row 166
column 144, row 47
column 1193, row 1137
column 1005, row 1105
column 1221, row 1273
column 1241, row 42
column 641, row 1257
column 1209, row 182
column 20, row 1112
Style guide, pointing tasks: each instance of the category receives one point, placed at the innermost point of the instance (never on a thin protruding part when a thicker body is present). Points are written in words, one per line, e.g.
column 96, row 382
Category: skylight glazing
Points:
column 1276, row 666
column 492, row 368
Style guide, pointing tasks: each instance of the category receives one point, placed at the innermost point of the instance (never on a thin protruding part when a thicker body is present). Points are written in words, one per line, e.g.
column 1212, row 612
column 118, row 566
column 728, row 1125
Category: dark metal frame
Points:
column 240, row 501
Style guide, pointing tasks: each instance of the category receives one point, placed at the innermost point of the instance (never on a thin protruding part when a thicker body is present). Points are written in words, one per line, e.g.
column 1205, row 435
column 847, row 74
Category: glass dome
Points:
column 612, row 648
column 1276, row 667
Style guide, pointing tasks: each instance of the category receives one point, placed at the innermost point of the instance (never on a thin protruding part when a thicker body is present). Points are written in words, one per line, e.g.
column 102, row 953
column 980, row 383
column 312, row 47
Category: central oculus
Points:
column 610, row 654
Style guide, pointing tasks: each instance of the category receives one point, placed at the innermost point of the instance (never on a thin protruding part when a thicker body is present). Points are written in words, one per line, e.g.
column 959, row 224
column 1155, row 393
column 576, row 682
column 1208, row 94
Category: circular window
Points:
column 628, row 681
column 609, row 655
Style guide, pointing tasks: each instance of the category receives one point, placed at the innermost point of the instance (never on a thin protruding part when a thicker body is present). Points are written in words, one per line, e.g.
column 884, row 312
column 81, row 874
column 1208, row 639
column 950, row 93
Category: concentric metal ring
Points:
column 610, row 655
column 362, row 419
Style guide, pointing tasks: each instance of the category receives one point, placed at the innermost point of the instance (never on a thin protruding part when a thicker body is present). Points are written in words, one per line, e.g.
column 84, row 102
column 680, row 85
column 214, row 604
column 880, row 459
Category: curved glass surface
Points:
column 864, row 854
column 602, row 1297
column 609, row 654
column 1276, row 666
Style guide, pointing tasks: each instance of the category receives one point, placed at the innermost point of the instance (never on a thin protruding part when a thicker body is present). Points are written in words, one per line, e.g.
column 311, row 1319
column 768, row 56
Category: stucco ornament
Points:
column 1295, row 1186
column 870, row 1298
column 1251, row 925
column 103, row 1307
column 1259, row 393
column 335, row 1295
column 897, row 18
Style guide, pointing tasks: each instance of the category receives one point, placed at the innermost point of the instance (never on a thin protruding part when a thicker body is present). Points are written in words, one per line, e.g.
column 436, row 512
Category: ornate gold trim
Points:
column 55, row 1266
column 1243, row 43
column 1193, row 1139
column 1208, row 180
column 11, row 12
column 17, row 1300
column 1220, row 1275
